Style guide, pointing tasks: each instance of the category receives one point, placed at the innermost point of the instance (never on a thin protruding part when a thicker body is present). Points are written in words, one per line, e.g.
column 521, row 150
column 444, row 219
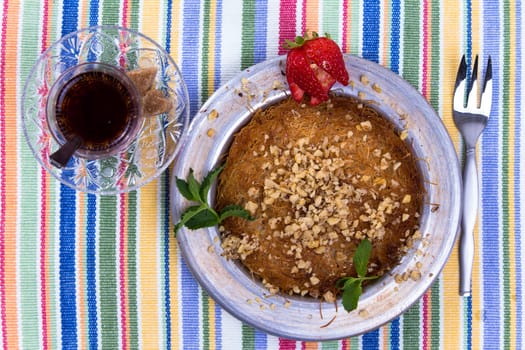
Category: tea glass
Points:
column 147, row 148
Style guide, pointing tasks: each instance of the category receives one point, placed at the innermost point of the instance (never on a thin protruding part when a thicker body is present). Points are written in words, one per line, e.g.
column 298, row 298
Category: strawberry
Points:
column 313, row 65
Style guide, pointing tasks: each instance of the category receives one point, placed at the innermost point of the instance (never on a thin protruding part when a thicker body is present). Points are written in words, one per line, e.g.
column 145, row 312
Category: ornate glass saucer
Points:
column 159, row 138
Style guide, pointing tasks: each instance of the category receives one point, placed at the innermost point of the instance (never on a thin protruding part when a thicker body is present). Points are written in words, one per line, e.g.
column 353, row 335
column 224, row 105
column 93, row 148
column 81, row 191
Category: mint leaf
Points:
column 203, row 218
column 352, row 287
column 361, row 256
column 184, row 189
column 193, row 187
column 207, row 181
column 187, row 215
column 352, row 290
column 234, row 210
column 203, row 215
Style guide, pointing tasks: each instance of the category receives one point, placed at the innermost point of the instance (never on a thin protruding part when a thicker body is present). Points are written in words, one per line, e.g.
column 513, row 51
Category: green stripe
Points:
column 435, row 55
column 248, row 338
column 110, row 12
column 331, row 22
column 411, row 64
column 354, row 343
column 132, row 286
column 435, row 314
column 107, row 239
column 505, row 188
column 132, row 209
column 330, row 345
column 205, row 304
column 435, row 325
column 412, row 328
column 411, row 41
column 205, row 51
column 248, row 34
column 30, row 198
column 108, row 272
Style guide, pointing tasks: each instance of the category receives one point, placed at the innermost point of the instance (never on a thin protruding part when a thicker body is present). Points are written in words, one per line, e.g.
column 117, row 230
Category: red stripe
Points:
column 286, row 344
column 43, row 213
column 426, row 39
column 122, row 247
column 122, row 267
column 344, row 42
column 426, row 328
column 2, row 176
column 287, row 20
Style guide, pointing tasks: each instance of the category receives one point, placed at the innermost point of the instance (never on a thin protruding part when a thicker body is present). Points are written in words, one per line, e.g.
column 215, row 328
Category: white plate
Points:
column 228, row 283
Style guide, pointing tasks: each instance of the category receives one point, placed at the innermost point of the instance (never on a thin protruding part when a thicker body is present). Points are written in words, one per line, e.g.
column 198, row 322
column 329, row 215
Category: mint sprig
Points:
column 202, row 214
column 352, row 287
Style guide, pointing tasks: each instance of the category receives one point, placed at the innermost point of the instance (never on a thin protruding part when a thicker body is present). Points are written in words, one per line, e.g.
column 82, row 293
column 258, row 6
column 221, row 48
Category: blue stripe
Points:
column 190, row 53
column 167, row 231
column 395, row 36
column 468, row 312
column 517, row 176
column 189, row 291
column 168, row 24
column 261, row 19
column 370, row 340
column 91, row 271
column 468, row 301
column 260, row 340
column 371, row 30
column 394, row 334
column 93, row 12
column 218, row 45
column 218, row 326
column 68, row 295
column 490, row 173
column 468, row 32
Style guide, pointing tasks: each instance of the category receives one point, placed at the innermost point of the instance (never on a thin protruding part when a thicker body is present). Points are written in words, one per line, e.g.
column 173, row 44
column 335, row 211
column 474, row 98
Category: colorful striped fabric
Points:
column 86, row 271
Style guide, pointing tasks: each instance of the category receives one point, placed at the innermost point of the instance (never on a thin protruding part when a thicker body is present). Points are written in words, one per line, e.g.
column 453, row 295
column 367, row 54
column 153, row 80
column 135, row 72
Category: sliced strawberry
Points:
column 303, row 79
column 313, row 66
column 326, row 54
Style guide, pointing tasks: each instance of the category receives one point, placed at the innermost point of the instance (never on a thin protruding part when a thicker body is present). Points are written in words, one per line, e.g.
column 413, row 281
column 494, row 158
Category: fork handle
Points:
column 470, row 212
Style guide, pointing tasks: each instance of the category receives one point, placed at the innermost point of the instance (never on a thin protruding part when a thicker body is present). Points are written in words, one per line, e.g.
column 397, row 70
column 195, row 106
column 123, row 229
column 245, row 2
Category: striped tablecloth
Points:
column 85, row 271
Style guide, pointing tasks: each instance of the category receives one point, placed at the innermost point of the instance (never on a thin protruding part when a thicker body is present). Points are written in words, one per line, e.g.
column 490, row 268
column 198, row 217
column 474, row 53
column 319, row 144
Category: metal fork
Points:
column 470, row 119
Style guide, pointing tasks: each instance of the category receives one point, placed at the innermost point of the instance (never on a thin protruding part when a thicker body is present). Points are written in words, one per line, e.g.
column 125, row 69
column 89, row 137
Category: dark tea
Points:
column 97, row 105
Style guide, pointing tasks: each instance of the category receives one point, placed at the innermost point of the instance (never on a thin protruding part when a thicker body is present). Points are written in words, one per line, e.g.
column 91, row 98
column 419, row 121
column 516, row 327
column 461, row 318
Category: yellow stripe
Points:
column 151, row 329
column 511, row 185
column 148, row 266
column 386, row 39
column 312, row 15
column 451, row 26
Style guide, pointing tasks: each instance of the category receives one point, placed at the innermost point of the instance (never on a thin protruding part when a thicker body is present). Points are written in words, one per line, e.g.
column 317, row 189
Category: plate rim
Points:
column 182, row 238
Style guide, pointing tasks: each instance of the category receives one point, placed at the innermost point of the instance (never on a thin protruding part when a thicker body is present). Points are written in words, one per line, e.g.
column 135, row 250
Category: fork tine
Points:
column 462, row 72
column 459, row 87
column 473, row 91
column 486, row 93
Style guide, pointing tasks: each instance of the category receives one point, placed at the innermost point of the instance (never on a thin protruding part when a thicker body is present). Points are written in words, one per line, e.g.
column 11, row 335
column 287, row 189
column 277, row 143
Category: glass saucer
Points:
column 159, row 138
